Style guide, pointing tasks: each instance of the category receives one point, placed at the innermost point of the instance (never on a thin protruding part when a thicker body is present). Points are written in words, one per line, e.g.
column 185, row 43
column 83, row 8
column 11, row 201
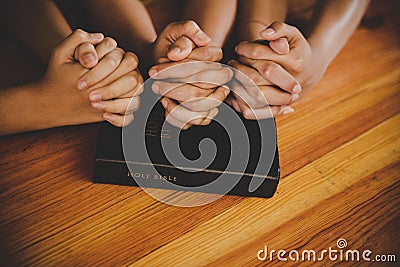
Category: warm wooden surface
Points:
column 340, row 161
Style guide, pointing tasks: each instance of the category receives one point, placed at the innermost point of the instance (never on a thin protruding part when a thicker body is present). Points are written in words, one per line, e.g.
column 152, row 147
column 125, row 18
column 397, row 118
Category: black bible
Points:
column 231, row 155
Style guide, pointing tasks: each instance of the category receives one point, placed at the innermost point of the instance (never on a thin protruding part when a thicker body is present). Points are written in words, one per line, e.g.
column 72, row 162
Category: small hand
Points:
column 177, row 40
column 190, row 83
column 197, row 86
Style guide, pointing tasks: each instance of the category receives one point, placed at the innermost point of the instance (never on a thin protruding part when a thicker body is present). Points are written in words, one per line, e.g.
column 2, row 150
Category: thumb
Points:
column 280, row 46
column 180, row 49
column 64, row 52
column 191, row 30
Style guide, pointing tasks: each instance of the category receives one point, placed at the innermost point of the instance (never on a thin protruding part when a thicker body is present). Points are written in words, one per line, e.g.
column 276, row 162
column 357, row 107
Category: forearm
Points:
column 215, row 18
column 256, row 15
column 126, row 20
column 39, row 25
column 22, row 109
column 334, row 21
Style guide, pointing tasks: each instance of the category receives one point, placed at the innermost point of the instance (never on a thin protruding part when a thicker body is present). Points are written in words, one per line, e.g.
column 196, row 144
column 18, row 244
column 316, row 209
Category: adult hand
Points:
column 111, row 82
column 301, row 61
column 262, row 88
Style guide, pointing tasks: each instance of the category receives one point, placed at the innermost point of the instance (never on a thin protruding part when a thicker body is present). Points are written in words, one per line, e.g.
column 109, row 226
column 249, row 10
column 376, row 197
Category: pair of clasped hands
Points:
column 189, row 79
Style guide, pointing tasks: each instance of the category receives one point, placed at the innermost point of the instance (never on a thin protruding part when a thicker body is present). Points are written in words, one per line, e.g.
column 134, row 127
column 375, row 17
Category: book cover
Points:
column 231, row 155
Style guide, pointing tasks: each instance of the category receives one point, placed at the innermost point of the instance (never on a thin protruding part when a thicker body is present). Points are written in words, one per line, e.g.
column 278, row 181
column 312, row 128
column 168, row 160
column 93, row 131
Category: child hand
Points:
column 177, row 40
column 192, row 91
column 190, row 79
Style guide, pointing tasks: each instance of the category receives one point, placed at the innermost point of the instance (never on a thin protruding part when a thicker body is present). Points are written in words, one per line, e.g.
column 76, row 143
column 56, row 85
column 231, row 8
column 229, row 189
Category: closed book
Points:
column 231, row 155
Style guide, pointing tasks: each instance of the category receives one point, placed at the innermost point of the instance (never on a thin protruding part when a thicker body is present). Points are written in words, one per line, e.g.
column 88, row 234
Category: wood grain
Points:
column 321, row 179
column 340, row 161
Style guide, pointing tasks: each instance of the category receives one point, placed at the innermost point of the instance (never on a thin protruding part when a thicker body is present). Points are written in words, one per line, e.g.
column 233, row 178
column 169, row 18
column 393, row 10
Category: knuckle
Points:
column 135, row 103
column 241, row 71
column 286, row 99
column 110, row 42
column 240, row 46
column 294, row 29
column 112, row 108
column 255, row 77
column 278, row 25
column 215, row 112
column 255, row 53
column 247, row 113
column 206, row 121
column 113, row 60
column 189, row 24
column 170, row 120
column 80, row 34
column 86, row 47
column 198, row 120
column 261, row 98
column 131, row 60
column 119, row 122
column 219, row 55
column 119, row 51
column 298, row 64
column 227, row 75
column 131, row 79
column 198, row 93
column 170, row 26
column 219, row 98
column 192, row 105
column 269, row 70
column 139, row 90
column 206, row 54
column 199, row 106
column 128, row 120
column 107, row 93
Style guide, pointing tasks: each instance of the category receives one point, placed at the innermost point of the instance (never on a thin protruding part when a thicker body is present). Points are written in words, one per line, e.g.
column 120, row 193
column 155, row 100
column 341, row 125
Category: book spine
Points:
column 117, row 172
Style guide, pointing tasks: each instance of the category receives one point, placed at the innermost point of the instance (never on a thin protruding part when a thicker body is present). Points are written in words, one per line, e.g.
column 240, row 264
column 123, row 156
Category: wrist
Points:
column 46, row 108
column 320, row 51
column 37, row 112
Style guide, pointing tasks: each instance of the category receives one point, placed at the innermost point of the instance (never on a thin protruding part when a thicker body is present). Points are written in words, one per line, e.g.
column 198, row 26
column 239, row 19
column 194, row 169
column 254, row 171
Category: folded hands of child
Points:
column 187, row 76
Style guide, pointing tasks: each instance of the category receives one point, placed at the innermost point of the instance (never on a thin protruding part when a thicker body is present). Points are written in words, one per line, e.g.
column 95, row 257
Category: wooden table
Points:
column 340, row 161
